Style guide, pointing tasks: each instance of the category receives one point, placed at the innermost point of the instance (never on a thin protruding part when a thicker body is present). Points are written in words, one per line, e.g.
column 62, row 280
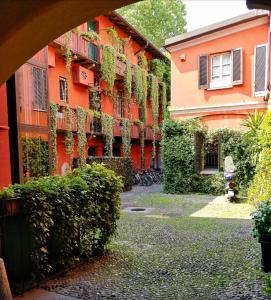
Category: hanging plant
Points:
column 68, row 56
column 158, row 68
column 141, row 90
column 164, row 97
column 121, row 57
column 126, row 137
column 91, row 36
column 69, row 140
column 108, row 65
column 142, row 61
column 107, row 129
column 81, row 136
column 142, row 144
column 53, row 136
column 113, row 38
column 154, row 97
column 128, row 81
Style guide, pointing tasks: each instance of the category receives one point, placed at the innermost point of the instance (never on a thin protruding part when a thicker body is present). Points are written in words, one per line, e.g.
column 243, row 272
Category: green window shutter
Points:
column 92, row 26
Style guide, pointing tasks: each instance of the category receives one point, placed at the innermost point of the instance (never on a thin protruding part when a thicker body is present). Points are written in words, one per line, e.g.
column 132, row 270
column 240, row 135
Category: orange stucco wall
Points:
column 184, row 89
column 5, row 172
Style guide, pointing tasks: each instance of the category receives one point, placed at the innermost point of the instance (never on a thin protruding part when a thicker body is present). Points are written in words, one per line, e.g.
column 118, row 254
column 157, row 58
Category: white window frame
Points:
column 261, row 93
column 220, row 83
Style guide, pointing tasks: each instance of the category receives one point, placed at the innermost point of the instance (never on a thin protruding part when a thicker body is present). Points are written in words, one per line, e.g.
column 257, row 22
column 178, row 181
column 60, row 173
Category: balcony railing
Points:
column 61, row 119
column 135, row 131
column 149, row 134
column 81, row 46
column 117, row 128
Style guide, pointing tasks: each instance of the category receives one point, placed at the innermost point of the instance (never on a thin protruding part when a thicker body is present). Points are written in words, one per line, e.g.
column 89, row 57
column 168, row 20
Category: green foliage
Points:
column 68, row 56
column 53, row 136
column 81, row 136
column 114, row 38
column 157, row 20
column 158, row 68
column 91, row 36
column 260, row 189
column 267, row 288
column 262, row 220
column 70, row 217
column 35, row 157
column 128, row 80
column 141, row 90
column 126, row 137
column 142, row 61
column 154, row 97
column 107, row 128
column 108, row 65
column 164, row 98
column 122, row 166
column 179, row 155
column 69, row 141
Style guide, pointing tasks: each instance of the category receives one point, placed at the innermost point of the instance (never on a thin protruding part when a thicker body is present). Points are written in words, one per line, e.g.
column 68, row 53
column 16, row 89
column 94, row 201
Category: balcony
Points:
column 81, row 46
column 120, row 67
column 135, row 131
column 61, row 119
column 117, row 128
column 149, row 134
column 96, row 126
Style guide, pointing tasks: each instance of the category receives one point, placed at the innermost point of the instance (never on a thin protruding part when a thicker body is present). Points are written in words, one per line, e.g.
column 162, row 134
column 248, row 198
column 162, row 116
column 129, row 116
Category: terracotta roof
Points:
column 119, row 21
column 255, row 14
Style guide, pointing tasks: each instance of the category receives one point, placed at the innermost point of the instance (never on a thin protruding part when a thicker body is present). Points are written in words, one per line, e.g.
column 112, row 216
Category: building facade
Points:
column 221, row 73
column 80, row 96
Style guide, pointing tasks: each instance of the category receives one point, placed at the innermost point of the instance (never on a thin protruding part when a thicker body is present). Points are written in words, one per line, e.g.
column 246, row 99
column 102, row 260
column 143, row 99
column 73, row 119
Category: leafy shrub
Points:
column 121, row 165
column 71, row 216
column 183, row 146
column 262, row 220
column 267, row 288
column 260, row 189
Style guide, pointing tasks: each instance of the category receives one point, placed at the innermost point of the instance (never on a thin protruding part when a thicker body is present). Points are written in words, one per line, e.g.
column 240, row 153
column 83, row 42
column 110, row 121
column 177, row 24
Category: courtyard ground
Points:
column 181, row 247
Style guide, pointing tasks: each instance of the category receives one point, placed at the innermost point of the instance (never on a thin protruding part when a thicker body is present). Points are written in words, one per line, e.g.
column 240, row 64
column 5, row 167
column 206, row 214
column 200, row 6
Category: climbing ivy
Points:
column 91, row 36
column 142, row 144
column 35, row 157
column 141, row 89
column 164, row 97
column 154, row 97
column 107, row 128
column 108, row 65
column 69, row 141
column 68, row 56
column 113, row 37
column 142, row 61
column 158, row 68
column 81, row 136
column 128, row 80
column 126, row 137
column 53, row 135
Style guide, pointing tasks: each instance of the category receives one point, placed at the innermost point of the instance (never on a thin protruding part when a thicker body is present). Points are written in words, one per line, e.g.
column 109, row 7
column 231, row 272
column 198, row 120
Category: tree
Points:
column 158, row 20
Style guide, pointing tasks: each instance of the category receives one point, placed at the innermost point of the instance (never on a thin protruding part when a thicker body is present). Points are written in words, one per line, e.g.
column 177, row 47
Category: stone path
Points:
column 184, row 247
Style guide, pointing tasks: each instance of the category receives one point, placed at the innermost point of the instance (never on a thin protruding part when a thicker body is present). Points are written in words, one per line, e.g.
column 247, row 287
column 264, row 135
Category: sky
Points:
column 201, row 13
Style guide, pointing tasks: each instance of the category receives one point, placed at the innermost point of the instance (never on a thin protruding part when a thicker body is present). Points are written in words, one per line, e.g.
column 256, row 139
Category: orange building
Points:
column 44, row 79
column 221, row 73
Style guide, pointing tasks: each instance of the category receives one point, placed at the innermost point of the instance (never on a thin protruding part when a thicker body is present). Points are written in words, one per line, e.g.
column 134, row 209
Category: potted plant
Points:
column 262, row 230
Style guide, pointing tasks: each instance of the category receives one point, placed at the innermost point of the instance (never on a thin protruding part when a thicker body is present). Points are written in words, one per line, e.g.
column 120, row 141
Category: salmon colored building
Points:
column 26, row 128
column 221, row 73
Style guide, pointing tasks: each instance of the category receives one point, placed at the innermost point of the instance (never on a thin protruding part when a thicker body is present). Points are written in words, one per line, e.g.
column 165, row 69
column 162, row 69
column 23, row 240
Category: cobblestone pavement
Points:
column 179, row 249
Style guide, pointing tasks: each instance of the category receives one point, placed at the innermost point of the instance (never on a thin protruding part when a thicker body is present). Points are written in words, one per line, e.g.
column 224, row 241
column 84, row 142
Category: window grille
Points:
column 39, row 77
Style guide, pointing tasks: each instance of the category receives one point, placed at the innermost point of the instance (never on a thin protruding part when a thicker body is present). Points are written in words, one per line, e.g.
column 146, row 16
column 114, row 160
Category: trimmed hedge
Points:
column 70, row 217
column 121, row 165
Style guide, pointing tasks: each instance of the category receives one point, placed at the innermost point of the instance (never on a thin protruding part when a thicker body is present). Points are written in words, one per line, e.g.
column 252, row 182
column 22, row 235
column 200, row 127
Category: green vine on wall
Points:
column 142, row 144
column 141, row 90
column 164, row 97
column 107, row 128
column 91, row 36
column 69, row 141
column 108, row 65
column 81, row 136
column 53, row 135
column 126, row 137
column 128, row 80
column 142, row 61
column 68, row 56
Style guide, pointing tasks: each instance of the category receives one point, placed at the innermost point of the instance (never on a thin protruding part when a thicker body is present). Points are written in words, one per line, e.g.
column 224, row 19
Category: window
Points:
column 93, row 52
column 39, row 79
column 63, row 89
column 120, row 104
column 92, row 26
column 260, row 70
column 221, row 70
column 92, row 151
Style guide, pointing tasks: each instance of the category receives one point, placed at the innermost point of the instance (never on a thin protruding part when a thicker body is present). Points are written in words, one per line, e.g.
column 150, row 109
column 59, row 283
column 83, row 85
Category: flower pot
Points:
column 265, row 242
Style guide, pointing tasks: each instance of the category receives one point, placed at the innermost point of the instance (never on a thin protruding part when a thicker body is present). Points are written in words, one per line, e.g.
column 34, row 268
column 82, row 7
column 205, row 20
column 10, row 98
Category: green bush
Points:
column 183, row 145
column 262, row 220
column 121, row 165
column 260, row 188
column 70, row 217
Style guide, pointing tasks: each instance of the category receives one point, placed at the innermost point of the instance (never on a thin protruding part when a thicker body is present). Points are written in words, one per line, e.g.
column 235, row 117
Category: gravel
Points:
column 167, row 253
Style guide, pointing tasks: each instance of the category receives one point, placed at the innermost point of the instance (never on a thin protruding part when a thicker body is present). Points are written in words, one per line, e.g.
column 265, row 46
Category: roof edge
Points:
column 255, row 14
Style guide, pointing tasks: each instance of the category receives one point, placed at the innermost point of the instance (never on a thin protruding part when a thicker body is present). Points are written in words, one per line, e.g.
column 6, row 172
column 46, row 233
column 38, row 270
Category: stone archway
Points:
column 27, row 26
